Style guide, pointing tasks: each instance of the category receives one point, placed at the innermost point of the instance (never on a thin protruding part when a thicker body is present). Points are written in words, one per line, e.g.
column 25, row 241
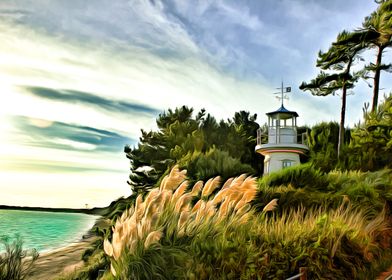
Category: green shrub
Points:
column 371, row 144
column 300, row 176
column 304, row 185
column 13, row 263
column 214, row 162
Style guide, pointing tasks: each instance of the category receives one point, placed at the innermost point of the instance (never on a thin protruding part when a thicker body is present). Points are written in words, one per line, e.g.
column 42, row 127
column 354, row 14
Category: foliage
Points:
column 323, row 141
column 117, row 207
column 307, row 186
column 368, row 146
column 13, row 261
column 181, row 136
column 208, row 234
column 339, row 58
column 371, row 145
column 376, row 32
column 167, row 213
column 213, row 162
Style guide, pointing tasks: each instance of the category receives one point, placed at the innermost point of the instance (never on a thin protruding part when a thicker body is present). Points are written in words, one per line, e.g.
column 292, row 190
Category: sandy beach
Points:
column 51, row 265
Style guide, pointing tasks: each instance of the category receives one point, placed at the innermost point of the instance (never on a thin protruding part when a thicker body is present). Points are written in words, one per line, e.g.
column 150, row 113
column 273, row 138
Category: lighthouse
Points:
column 284, row 145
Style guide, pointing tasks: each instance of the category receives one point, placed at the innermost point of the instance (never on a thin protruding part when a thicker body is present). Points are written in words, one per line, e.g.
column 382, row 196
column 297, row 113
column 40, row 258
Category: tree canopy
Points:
column 198, row 143
column 339, row 58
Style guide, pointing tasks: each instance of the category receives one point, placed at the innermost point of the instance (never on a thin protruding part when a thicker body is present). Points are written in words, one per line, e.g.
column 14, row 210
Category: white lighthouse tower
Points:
column 282, row 149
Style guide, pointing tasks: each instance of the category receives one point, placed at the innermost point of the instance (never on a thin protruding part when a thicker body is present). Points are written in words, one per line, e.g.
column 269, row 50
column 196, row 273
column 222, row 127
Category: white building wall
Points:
column 277, row 161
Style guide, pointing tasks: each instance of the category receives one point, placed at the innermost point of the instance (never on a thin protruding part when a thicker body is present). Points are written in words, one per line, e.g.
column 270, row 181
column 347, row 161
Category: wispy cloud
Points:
column 52, row 134
column 89, row 99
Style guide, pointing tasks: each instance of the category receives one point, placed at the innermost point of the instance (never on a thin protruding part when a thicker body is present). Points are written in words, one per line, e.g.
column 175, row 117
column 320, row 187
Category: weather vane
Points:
column 282, row 92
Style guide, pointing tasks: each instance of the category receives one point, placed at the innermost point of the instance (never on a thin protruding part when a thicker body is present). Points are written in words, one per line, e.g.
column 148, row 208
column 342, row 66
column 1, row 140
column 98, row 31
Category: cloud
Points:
column 222, row 31
column 141, row 23
column 89, row 99
column 65, row 136
column 14, row 14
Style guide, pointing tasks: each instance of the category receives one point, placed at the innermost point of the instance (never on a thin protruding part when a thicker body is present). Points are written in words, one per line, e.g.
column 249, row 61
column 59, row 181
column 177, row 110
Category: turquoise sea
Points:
column 44, row 230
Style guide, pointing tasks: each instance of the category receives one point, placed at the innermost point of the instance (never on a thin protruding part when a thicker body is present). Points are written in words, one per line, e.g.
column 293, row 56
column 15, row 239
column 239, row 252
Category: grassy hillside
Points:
column 336, row 224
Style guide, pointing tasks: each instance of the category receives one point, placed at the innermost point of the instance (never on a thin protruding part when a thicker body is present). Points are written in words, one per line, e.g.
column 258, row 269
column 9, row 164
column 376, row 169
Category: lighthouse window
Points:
column 286, row 163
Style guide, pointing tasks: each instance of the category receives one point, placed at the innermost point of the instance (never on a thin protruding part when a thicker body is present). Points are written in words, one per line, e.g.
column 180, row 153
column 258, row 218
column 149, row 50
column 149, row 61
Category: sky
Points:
column 79, row 79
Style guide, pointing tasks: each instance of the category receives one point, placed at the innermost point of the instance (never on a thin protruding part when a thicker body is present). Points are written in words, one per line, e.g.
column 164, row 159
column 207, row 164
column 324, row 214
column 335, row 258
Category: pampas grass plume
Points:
column 238, row 180
column 223, row 209
column 107, row 247
column 166, row 197
column 249, row 195
column 139, row 208
column 152, row 194
column 132, row 245
column 227, row 183
column 240, row 204
column 248, row 184
column 180, row 191
column 221, row 195
column 271, row 206
column 197, row 188
column 154, row 220
column 112, row 270
column 152, row 237
column 183, row 201
column 235, row 196
column 197, row 206
column 210, row 186
column 175, row 178
column 182, row 221
column 117, row 245
column 163, row 183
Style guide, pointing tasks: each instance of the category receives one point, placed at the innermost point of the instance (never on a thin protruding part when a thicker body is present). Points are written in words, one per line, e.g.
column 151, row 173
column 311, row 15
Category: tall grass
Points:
column 15, row 263
column 211, row 231
column 307, row 186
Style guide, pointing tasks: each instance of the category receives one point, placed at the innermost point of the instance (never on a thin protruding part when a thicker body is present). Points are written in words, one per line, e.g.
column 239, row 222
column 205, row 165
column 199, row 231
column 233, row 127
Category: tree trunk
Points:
column 342, row 118
column 343, row 110
column 377, row 79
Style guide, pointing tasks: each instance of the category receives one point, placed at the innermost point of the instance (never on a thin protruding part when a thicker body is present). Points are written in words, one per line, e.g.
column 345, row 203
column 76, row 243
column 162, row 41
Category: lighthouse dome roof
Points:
column 282, row 113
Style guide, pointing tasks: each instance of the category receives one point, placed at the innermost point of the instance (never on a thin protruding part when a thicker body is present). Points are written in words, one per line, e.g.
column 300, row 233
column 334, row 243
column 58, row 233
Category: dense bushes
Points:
column 214, row 162
column 371, row 145
column 305, row 185
column 301, row 176
column 367, row 147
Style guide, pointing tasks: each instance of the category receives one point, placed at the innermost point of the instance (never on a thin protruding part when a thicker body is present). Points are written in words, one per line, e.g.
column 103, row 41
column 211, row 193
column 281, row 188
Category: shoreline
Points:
column 63, row 260
column 89, row 211
column 52, row 264
column 86, row 234
column 67, row 246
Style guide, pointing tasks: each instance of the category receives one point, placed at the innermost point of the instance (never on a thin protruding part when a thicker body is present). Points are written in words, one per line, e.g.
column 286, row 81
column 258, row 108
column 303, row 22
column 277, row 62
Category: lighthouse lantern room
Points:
column 284, row 145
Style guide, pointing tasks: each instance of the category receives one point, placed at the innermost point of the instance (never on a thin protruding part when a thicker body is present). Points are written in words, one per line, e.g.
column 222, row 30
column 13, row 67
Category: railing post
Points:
column 303, row 271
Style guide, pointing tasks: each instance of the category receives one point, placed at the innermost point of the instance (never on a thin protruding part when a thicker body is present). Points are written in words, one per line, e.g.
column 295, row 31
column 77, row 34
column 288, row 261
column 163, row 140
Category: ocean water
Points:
column 44, row 231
